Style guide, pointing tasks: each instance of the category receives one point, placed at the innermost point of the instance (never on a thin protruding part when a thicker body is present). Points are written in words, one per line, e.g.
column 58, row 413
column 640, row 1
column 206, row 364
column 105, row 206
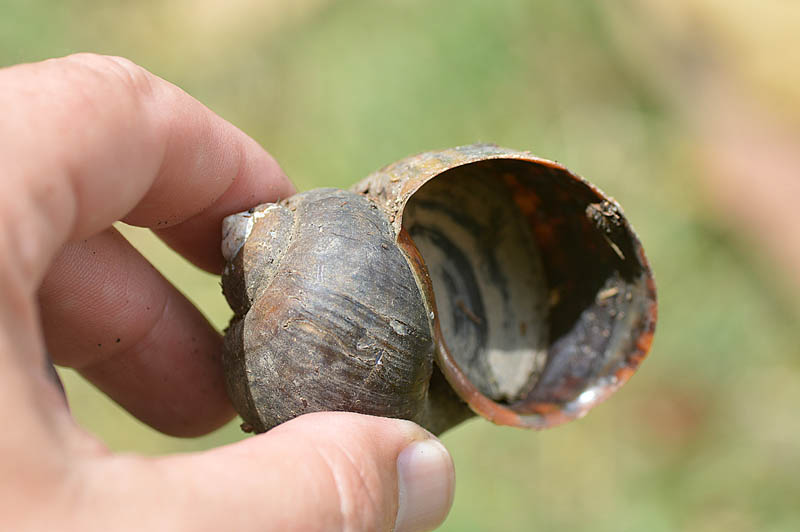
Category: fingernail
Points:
column 426, row 481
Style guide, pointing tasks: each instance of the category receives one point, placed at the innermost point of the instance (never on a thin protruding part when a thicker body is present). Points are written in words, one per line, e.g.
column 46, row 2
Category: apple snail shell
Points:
column 470, row 280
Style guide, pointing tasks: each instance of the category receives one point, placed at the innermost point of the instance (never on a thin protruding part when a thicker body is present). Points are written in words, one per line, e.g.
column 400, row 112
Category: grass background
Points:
column 707, row 435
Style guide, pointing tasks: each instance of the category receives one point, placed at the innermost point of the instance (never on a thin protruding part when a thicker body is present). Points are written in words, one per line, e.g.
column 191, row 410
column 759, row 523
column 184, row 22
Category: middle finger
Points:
column 108, row 313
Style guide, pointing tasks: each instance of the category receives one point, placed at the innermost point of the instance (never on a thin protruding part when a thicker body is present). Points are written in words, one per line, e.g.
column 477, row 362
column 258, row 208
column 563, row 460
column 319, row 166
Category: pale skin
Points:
column 86, row 141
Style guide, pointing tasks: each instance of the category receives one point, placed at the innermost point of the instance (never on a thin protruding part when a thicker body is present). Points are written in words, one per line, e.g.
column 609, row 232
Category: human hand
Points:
column 86, row 141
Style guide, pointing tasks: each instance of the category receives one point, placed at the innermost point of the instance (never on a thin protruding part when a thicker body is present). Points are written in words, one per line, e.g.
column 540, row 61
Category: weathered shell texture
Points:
column 474, row 276
column 329, row 315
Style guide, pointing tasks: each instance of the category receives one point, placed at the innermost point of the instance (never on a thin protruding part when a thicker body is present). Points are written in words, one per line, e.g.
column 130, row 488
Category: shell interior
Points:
column 543, row 296
column 488, row 280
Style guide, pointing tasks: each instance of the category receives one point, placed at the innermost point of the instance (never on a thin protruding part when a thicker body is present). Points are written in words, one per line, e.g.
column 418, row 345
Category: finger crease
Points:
column 340, row 498
column 362, row 480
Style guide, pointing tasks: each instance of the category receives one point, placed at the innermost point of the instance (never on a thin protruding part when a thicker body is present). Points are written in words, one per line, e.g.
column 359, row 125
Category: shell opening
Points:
column 543, row 296
column 488, row 280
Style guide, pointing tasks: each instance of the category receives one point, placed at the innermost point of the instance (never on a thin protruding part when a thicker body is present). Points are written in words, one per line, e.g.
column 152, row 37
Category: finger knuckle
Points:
column 123, row 73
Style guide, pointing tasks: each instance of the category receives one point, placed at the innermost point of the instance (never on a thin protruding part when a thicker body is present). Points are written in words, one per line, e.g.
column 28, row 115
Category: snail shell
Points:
column 471, row 280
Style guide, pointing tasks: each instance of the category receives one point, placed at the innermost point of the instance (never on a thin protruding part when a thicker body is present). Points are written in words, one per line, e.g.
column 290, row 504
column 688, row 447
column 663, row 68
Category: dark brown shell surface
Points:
column 329, row 315
column 476, row 279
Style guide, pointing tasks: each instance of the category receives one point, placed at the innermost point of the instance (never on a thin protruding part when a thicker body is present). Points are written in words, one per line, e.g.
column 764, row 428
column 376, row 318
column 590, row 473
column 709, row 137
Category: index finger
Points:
column 100, row 139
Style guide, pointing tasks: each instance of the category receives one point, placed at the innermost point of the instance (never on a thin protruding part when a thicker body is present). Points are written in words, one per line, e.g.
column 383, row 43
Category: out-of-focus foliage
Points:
column 707, row 435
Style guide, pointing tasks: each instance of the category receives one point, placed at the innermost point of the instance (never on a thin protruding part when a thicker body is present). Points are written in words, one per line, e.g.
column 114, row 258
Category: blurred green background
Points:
column 706, row 436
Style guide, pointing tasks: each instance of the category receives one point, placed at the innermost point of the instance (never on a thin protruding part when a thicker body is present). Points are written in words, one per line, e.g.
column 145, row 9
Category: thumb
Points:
column 325, row 471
